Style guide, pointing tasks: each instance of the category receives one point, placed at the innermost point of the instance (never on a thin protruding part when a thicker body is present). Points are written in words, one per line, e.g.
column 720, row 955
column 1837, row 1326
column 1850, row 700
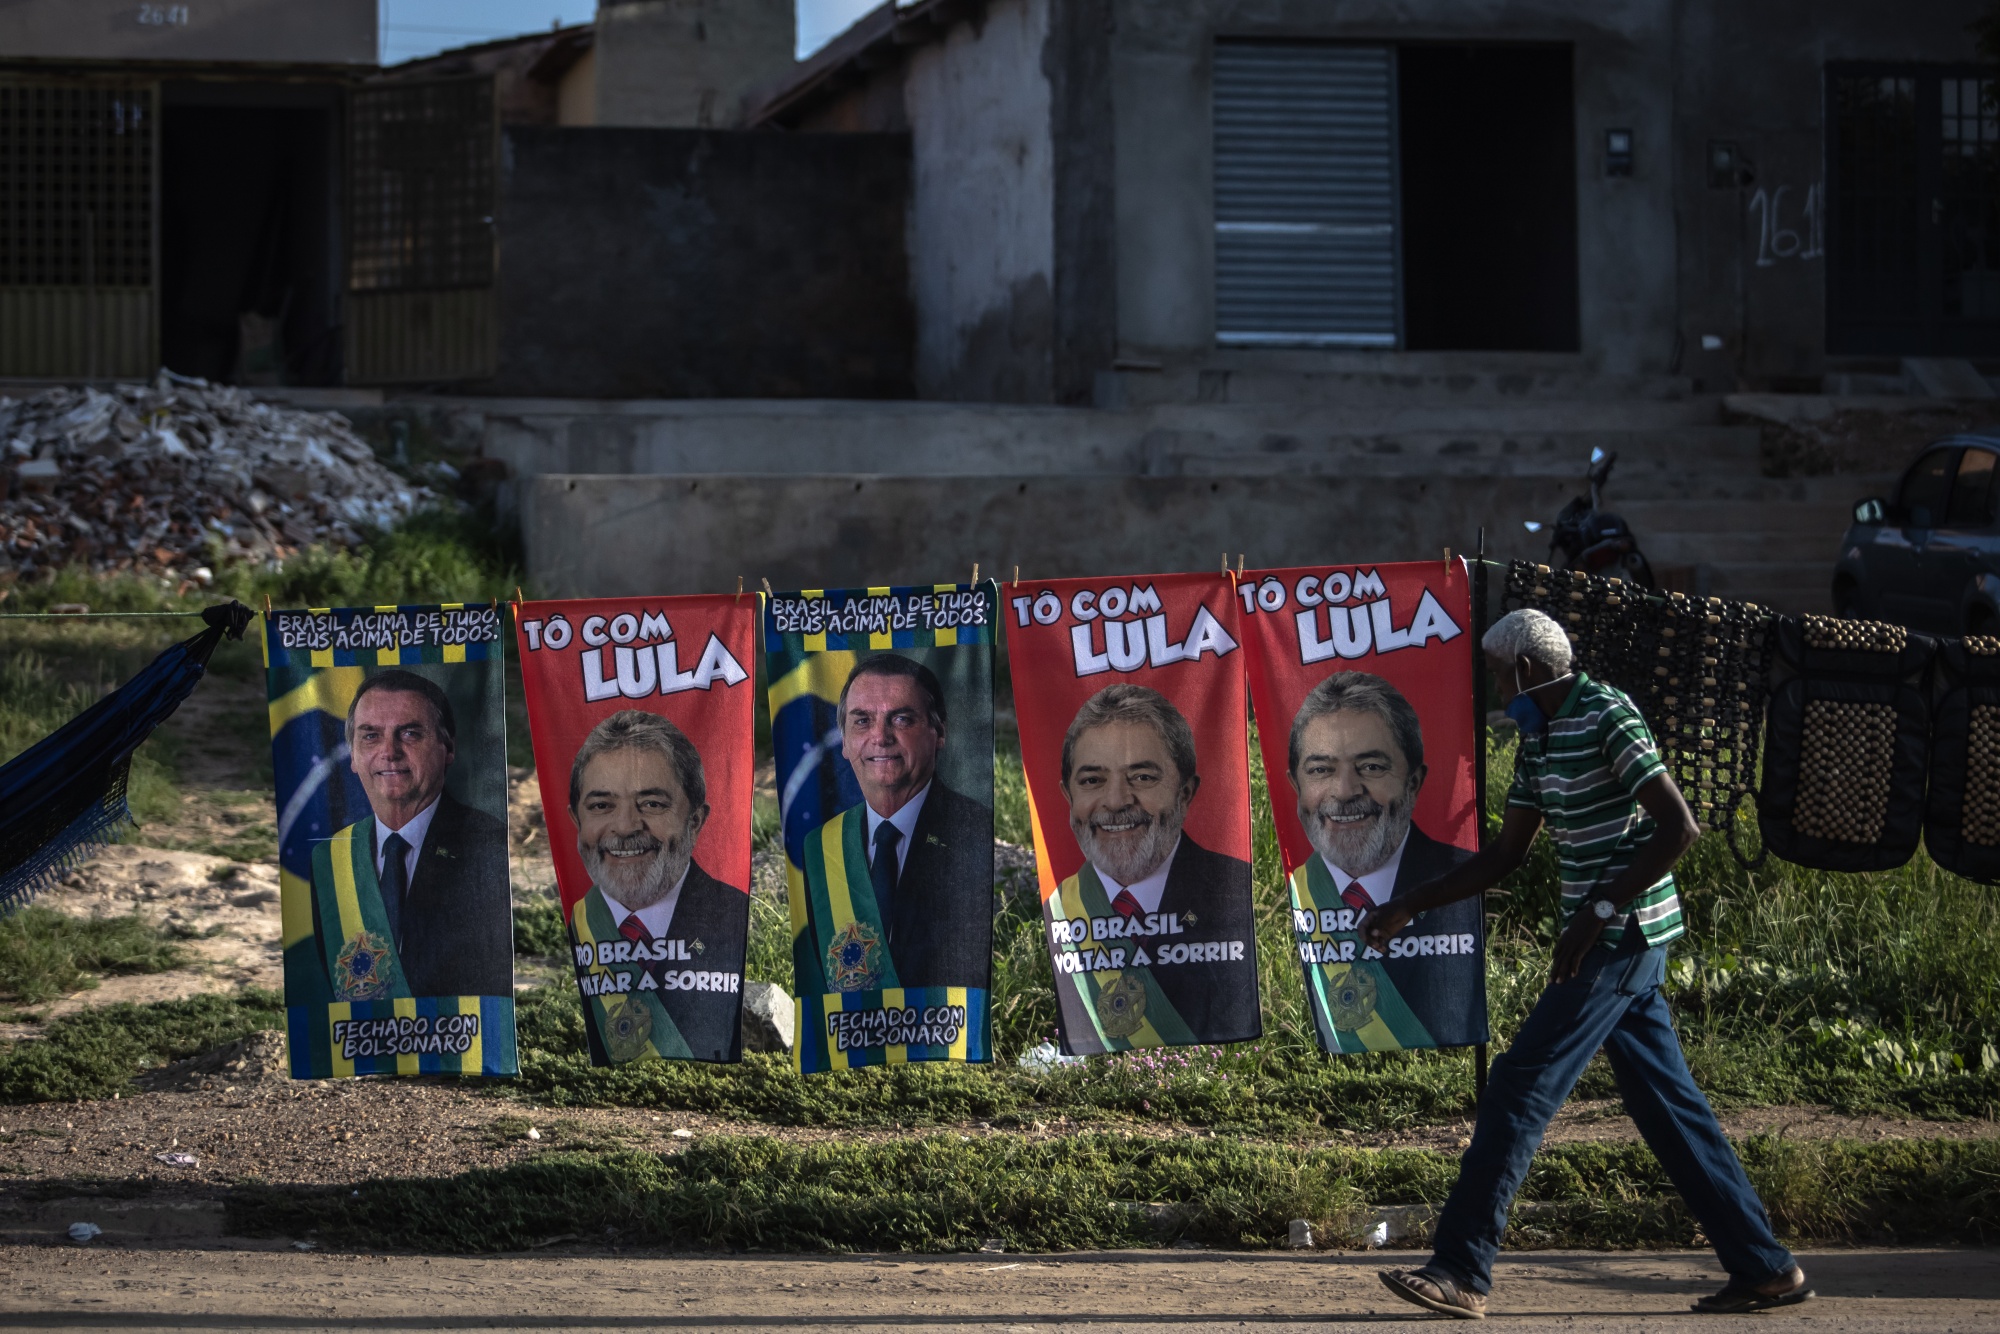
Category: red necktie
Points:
column 1355, row 897
column 1126, row 905
column 632, row 928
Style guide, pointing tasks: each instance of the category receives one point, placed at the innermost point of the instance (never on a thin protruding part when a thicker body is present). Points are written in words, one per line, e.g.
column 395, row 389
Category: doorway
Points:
column 249, row 248
column 1488, row 169
column 1913, row 218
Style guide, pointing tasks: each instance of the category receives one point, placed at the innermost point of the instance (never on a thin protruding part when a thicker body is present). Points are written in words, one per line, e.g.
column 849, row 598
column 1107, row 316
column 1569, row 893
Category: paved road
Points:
column 223, row 1289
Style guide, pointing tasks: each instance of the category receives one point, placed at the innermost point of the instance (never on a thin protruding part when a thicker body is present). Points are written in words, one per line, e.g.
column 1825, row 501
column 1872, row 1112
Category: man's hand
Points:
column 1575, row 943
column 1381, row 922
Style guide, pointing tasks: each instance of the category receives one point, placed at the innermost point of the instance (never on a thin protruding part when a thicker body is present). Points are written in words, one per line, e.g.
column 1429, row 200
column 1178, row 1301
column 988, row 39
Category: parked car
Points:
column 1928, row 557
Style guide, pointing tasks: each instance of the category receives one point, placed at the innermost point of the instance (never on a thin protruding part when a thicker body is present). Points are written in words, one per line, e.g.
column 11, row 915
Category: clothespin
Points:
column 1241, row 556
column 767, row 588
column 1225, row 562
column 519, row 598
column 975, row 572
column 1447, row 560
column 739, row 588
column 267, row 606
column 1017, row 574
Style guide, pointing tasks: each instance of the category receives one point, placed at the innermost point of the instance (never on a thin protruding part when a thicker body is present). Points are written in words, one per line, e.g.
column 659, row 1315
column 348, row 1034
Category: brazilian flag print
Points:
column 350, row 1008
column 890, row 965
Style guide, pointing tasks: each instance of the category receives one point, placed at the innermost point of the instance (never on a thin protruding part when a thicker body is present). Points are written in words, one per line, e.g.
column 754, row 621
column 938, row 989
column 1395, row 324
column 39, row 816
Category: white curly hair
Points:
column 1529, row 634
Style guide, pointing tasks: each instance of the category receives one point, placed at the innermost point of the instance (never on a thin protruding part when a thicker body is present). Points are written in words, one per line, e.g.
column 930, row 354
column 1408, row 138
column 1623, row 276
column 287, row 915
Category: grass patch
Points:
column 95, row 1053
column 945, row 1193
column 539, row 928
column 44, row 954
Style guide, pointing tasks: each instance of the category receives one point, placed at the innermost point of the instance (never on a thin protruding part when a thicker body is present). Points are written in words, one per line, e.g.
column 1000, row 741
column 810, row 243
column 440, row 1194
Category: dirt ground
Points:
column 1865, row 1292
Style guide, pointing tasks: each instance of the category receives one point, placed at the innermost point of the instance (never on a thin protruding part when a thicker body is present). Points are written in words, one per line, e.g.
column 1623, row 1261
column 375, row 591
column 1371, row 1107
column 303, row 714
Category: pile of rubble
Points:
column 171, row 476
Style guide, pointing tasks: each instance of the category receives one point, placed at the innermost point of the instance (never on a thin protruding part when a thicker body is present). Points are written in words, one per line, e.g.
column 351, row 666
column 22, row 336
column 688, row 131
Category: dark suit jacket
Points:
column 1218, row 1001
column 458, row 922
column 1447, row 995
column 719, row 917
column 941, row 933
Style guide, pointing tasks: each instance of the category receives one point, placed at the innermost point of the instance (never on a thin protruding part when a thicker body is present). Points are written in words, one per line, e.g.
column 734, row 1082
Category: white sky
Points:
column 412, row 28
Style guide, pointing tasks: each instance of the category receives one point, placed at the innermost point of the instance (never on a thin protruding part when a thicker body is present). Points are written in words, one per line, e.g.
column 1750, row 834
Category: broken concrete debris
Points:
column 171, row 476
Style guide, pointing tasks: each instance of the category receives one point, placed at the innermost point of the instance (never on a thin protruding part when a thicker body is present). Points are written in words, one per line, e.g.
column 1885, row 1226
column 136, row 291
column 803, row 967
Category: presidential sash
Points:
column 1125, row 1005
column 630, row 1020
column 853, row 945
column 1355, row 1006
column 361, row 954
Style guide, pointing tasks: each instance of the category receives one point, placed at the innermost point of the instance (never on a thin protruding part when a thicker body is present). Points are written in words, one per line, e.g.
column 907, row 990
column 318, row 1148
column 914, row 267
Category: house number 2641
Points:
column 163, row 16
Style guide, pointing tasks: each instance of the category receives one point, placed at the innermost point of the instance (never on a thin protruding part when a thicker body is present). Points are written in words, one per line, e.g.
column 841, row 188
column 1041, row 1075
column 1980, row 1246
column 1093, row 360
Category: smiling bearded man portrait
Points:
column 1356, row 760
column 639, row 796
column 1129, row 773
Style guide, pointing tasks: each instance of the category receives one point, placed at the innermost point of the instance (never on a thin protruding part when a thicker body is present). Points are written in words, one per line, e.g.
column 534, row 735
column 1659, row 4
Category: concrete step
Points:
column 699, row 437
column 1420, row 413
column 1645, row 458
column 1120, row 390
column 1792, row 587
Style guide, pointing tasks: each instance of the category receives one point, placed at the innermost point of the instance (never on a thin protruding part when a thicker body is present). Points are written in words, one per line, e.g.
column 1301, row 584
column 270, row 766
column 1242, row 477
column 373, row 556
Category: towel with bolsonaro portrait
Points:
column 882, row 733
column 389, row 747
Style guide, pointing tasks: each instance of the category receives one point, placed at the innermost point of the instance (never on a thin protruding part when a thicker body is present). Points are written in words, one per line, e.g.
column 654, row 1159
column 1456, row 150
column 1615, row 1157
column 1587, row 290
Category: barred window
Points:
column 76, row 185
column 421, row 161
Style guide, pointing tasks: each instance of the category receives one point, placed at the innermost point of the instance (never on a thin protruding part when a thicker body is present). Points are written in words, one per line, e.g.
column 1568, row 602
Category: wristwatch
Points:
column 1604, row 909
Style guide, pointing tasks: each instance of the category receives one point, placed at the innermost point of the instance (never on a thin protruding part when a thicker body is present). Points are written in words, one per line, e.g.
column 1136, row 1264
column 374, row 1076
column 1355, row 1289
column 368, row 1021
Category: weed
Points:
column 44, row 954
column 95, row 1053
column 539, row 928
column 945, row 1193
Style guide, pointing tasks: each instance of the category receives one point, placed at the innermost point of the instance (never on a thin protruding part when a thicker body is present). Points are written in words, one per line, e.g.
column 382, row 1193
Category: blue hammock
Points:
column 63, row 797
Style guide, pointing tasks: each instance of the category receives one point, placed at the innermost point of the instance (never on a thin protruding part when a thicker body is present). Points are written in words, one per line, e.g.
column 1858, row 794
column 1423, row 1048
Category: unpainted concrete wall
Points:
column 703, row 264
column 1165, row 152
column 982, row 208
column 326, row 32
column 633, row 536
column 688, row 63
column 1754, row 75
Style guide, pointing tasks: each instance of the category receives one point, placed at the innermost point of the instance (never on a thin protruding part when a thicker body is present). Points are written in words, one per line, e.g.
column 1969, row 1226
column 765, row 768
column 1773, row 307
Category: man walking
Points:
column 1589, row 770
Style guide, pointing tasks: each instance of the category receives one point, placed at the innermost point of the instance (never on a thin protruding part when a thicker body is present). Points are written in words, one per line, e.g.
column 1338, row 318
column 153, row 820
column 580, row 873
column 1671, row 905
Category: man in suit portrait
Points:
column 412, row 899
column 1356, row 761
column 665, row 938
column 1129, row 773
column 914, row 859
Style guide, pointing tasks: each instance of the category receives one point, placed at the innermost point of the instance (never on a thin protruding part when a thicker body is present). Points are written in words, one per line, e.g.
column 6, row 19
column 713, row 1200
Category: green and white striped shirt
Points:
column 1582, row 775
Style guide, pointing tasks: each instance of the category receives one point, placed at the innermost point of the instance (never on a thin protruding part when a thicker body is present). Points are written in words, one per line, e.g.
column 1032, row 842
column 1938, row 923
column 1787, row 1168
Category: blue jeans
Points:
column 1613, row 1003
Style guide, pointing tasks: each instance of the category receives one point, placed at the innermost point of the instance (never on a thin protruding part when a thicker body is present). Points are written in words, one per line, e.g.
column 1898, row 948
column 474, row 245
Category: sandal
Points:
column 1435, row 1291
column 1743, row 1298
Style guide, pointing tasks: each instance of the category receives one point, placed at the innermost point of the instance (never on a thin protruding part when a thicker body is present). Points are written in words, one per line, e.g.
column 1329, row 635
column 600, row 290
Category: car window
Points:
column 1927, row 486
column 1972, row 491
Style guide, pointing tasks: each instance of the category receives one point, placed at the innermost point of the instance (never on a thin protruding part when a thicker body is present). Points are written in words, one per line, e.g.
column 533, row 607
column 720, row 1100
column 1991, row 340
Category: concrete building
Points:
column 233, row 190
column 170, row 186
column 1759, row 194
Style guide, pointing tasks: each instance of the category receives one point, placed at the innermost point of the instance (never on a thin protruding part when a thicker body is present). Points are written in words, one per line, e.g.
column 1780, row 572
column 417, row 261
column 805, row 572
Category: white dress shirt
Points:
column 1379, row 884
column 656, row 917
column 1147, row 891
column 905, row 821
column 413, row 834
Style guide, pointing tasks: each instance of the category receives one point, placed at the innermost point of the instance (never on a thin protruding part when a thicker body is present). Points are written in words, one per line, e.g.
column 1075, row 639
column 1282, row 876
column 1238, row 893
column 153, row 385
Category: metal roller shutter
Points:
column 1305, row 195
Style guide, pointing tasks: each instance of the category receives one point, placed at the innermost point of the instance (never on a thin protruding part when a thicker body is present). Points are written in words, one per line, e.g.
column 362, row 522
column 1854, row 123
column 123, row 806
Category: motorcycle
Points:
column 1585, row 537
